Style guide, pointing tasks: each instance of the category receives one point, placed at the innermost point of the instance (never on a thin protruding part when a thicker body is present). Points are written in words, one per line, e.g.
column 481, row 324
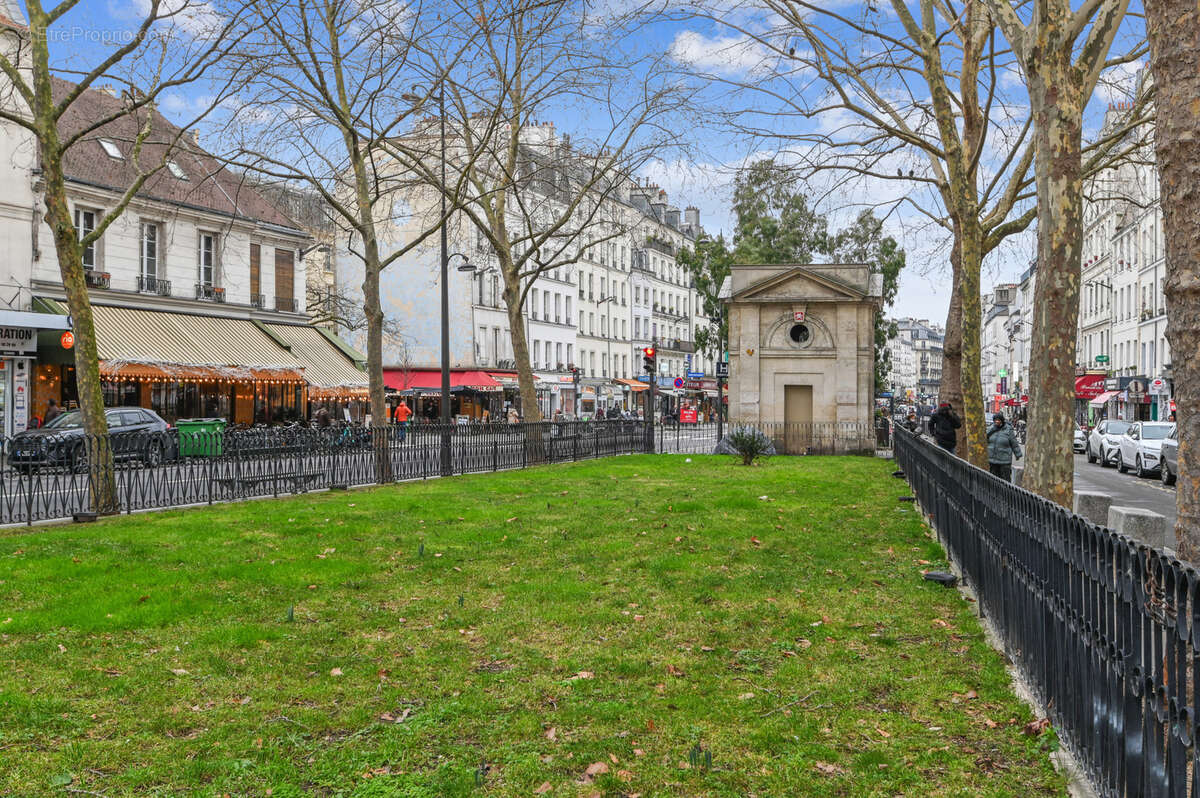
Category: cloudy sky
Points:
column 726, row 51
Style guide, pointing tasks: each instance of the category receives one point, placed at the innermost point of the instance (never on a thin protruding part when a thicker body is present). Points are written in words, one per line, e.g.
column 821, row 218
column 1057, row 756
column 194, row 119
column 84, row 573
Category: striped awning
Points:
column 135, row 343
column 325, row 366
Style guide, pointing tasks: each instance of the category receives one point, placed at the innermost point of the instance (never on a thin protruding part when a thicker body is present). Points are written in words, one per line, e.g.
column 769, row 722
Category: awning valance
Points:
column 1104, row 398
column 430, row 380
column 633, row 385
column 165, row 372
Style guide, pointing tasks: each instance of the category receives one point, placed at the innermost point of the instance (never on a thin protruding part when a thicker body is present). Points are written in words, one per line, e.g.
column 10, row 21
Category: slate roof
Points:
column 209, row 185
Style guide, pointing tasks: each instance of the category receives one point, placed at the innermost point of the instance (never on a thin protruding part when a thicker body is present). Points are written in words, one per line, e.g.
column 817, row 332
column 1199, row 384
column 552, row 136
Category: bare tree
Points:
column 1061, row 53
column 918, row 95
column 1174, row 29
column 535, row 198
column 332, row 74
column 172, row 45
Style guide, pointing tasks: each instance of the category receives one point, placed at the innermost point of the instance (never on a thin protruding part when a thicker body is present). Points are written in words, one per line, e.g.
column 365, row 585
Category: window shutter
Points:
column 284, row 276
column 255, row 269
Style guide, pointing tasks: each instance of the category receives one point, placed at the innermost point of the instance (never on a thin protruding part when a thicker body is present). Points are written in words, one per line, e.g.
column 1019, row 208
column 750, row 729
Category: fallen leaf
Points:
column 756, row 541
column 62, row 649
column 593, row 770
column 613, row 759
column 510, row 520
column 582, row 675
column 673, row 671
column 881, row 732
column 706, row 648
column 828, row 769
column 745, row 696
column 545, row 788
column 625, row 776
column 179, row 671
column 550, row 734
column 971, row 694
column 638, row 752
column 335, row 672
column 1035, row 727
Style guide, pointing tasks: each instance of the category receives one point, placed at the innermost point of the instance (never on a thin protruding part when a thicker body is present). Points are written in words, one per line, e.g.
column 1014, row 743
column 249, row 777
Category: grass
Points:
column 700, row 628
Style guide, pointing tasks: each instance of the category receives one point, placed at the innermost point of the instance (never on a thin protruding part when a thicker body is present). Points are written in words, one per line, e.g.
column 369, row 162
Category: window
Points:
column 207, row 258
column 533, row 304
column 85, row 224
column 149, row 249
column 537, row 345
column 176, row 171
column 549, row 363
column 558, row 354
column 546, row 305
column 285, row 285
column 112, row 150
column 591, row 324
column 568, row 316
column 483, row 351
column 581, row 321
column 569, row 347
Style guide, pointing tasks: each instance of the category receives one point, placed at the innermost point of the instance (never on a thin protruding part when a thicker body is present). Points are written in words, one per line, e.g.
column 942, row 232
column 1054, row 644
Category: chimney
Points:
column 691, row 217
column 673, row 217
column 195, row 134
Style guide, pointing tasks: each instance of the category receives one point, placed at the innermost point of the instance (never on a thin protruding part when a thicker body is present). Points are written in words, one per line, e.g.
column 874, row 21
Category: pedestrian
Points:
column 513, row 416
column 911, row 424
column 321, row 417
column 53, row 411
column 401, row 415
column 943, row 426
column 1002, row 448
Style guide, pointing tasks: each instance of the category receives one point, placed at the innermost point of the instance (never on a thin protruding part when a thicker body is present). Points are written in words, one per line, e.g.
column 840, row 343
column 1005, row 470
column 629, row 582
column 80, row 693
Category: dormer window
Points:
column 176, row 171
column 112, row 150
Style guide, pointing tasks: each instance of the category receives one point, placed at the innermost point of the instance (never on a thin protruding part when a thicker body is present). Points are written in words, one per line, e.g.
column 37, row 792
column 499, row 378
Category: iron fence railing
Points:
column 54, row 476
column 835, row 437
column 1105, row 630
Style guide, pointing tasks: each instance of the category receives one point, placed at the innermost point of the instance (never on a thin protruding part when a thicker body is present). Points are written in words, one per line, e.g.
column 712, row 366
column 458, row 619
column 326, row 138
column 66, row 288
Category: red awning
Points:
column 1103, row 398
column 1089, row 386
column 430, row 380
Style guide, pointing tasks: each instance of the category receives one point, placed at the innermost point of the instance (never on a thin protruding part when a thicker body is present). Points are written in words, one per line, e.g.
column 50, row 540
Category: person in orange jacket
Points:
column 401, row 416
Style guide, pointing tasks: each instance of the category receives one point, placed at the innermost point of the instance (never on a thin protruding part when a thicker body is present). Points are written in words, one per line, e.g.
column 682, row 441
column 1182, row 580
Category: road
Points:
column 1126, row 489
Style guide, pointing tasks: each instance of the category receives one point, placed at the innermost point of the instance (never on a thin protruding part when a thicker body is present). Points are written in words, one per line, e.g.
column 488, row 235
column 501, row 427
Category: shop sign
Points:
column 18, row 339
column 687, row 415
column 67, row 339
column 723, row 369
column 1158, row 386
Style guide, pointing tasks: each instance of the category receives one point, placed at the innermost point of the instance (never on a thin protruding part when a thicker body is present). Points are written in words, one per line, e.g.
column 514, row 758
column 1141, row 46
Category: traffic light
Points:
column 648, row 360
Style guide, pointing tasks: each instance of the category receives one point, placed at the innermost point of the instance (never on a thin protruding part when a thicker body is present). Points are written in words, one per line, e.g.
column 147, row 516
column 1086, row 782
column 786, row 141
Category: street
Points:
column 1126, row 489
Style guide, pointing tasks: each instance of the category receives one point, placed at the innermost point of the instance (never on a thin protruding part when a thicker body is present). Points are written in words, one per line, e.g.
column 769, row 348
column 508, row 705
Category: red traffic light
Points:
column 648, row 351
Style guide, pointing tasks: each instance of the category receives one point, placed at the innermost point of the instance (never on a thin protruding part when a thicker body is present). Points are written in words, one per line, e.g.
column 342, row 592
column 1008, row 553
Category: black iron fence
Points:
column 59, row 475
column 1105, row 630
column 835, row 437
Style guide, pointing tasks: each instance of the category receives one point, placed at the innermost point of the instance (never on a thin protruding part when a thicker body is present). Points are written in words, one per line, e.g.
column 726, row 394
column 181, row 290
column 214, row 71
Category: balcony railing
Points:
column 148, row 284
column 96, row 279
column 665, row 247
column 210, row 293
column 285, row 304
column 258, row 301
column 677, row 345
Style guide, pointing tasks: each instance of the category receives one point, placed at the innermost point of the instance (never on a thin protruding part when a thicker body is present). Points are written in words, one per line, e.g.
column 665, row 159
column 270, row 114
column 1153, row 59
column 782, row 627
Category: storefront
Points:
column 332, row 370
column 473, row 394
column 1087, row 388
column 20, row 335
column 179, row 365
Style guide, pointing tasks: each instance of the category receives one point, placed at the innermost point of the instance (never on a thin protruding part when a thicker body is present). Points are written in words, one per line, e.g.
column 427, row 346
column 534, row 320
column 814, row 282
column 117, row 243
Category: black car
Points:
column 136, row 433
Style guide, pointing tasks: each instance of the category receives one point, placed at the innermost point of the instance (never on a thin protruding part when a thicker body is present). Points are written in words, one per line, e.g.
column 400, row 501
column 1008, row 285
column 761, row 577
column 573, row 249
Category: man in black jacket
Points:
column 943, row 426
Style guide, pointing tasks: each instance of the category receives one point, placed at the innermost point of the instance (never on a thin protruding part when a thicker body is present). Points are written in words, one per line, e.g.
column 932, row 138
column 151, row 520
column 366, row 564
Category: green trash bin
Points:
column 201, row 437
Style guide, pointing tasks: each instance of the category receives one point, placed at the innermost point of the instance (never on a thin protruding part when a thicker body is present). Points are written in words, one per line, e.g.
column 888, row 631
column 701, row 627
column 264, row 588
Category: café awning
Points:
column 633, row 385
column 1104, row 398
column 158, row 345
column 327, row 368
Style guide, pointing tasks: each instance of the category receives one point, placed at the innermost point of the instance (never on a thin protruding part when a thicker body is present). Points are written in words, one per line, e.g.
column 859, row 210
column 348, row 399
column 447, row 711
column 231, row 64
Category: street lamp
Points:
column 445, row 264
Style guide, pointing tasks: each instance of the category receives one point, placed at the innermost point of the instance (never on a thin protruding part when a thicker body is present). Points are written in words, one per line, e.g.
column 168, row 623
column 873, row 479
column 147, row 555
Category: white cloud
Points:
column 196, row 18
column 1119, row 84
column 728, row 55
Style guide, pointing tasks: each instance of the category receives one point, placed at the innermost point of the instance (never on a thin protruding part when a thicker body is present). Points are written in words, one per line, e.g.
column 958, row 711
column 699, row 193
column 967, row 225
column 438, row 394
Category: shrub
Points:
column 748, row 443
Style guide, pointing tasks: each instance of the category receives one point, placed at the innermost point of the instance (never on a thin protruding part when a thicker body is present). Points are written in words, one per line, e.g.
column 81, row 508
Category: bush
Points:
column 748, row 443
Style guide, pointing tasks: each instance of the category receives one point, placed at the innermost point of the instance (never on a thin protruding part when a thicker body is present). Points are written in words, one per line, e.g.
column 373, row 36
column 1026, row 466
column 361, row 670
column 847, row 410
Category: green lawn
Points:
column 637, row 625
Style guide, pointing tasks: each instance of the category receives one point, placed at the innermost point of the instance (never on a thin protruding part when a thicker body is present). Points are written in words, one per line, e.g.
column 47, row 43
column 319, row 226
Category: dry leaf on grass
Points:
column 550, row 734
column 828, row 769
column 673, row 671
column 335, row 672
column 545, row 788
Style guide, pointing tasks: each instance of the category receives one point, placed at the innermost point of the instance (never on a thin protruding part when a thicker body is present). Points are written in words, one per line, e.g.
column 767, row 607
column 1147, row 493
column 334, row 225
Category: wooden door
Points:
column 797, row 418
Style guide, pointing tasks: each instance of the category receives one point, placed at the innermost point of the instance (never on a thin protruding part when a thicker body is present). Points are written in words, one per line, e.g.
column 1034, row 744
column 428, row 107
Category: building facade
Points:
column 586, row 321
column 197, row 306
column 925, row 340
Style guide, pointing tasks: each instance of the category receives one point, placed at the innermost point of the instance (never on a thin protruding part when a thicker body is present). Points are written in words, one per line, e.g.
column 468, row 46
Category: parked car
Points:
column 1104, row 442
column 1169, row 468
column 1079, row 445
column 1141, row 447
column 136, row 433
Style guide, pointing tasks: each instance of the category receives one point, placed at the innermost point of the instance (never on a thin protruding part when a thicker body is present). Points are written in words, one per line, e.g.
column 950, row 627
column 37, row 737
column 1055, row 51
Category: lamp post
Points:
column 445, row 269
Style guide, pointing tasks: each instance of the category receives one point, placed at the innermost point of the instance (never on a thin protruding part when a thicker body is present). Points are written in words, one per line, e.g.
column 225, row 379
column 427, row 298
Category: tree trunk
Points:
column 526, row 382
column 974, row 429
column 1174, row 30
column 950, row 389
column 102, row 479
column 373, row 311
column 1054, row 94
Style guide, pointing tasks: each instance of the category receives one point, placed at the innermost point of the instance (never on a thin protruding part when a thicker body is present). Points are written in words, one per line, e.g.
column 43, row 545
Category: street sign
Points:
column 885, row 394
column 1101, row 358
column 722, row 369
column 678, row 382
column 687, row 415
column 1003, row 372
column 695, row 375
column 1158, row 386
column 643, row 378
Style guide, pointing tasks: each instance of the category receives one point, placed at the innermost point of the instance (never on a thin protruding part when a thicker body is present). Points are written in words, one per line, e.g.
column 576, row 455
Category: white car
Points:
column 1104, row 442
column 1080, row 443
column 1141, row 447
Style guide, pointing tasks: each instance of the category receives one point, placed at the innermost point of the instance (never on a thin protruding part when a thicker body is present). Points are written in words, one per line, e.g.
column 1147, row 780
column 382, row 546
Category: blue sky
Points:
column 700, row 171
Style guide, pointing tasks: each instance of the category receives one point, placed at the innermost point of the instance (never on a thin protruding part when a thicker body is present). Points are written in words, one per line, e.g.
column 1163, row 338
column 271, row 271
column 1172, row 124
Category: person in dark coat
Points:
column 943, row 426
column 53, row 411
